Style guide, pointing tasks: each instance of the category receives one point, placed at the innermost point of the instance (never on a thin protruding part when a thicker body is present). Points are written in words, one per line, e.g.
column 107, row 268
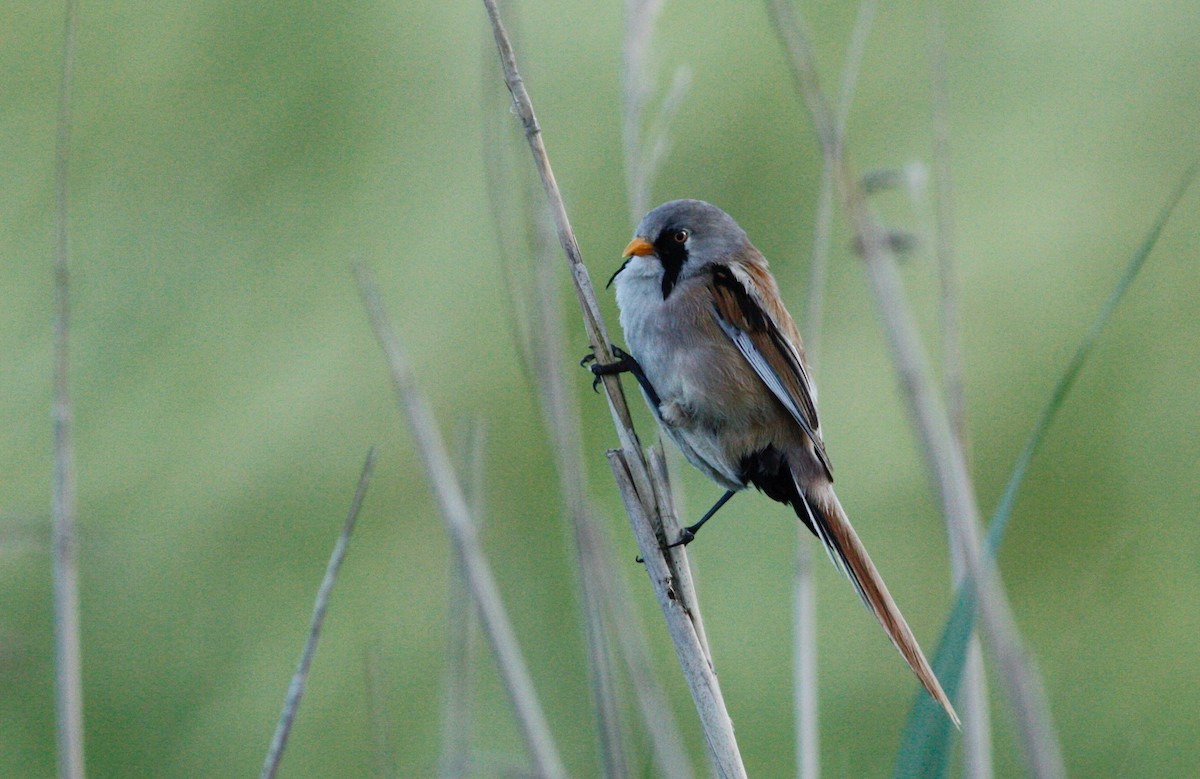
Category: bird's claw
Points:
column 686, row 536
column 600, row 370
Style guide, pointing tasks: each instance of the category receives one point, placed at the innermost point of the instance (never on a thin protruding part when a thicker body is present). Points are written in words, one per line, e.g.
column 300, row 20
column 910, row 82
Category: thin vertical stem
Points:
column 804, row 591
column 831, row 154
column 626, row 626
column 68, row 658
column 977, row 736
column 382, row 729
column 977, row 716
column 804, row 661
column 645, row 148
column 637, row 88
column 952, row 350
column 818, row 270
column 562, row 419
column 458, row 718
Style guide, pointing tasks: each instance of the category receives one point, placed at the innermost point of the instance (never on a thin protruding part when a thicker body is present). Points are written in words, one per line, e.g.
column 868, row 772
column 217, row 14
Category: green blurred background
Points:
column 230, row 162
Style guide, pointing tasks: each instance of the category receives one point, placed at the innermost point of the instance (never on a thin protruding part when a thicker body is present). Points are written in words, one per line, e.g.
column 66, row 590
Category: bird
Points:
column 722, row 367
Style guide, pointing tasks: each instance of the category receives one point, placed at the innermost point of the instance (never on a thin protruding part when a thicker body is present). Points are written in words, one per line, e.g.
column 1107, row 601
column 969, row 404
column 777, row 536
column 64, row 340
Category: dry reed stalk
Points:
column 464, row 540
column 641, row 494
column 944, row 456
column 804, row 595
column 977, row 726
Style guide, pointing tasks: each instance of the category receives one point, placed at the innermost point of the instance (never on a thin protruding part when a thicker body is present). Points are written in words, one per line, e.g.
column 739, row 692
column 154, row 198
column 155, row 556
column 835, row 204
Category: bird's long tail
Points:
column 820, row 509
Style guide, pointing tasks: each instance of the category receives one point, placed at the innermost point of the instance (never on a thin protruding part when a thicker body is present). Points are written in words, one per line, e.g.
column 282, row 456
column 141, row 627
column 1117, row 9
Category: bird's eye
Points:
column 680, row 236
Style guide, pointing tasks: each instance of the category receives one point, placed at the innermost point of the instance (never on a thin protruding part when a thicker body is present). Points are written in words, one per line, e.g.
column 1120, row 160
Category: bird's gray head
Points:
column 686, row 236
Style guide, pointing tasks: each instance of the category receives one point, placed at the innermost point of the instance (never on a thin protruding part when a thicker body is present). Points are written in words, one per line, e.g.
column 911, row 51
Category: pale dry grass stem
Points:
column 68, row 655
column 804, row 594
column 464, row 539
column 462, row 625
column 977, row 729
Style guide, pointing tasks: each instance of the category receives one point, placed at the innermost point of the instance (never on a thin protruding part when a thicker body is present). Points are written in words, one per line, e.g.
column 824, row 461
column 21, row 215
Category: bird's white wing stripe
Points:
column 831, row 548
column 745, row 345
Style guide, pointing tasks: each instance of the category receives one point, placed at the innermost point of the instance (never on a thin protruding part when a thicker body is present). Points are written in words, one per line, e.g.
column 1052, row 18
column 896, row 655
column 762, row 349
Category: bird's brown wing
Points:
column 766, row 336
column 764, row 333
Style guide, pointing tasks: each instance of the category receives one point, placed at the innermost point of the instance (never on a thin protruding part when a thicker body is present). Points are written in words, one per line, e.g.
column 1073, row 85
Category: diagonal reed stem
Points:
column 465, row 540
column 640, row 490
column 295, row 691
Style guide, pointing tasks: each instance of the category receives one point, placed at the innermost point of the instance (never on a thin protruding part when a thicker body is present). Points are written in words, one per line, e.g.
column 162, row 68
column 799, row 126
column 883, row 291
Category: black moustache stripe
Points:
column 672, row 255
column 613, row 277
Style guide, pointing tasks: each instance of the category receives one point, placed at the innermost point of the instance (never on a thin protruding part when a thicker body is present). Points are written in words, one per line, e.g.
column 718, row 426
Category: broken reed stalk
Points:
column 524, row 241
column 68, row 655
column 561, row 412
column 609, row 617
column 603, row 586
column 295, row 691
column 944, row 456
column 639, row 491
column 464, row 540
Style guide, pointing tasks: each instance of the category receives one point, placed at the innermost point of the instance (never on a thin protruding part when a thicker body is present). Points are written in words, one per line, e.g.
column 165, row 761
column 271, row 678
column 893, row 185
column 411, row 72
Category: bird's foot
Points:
column 686, row 536
column 623, row 364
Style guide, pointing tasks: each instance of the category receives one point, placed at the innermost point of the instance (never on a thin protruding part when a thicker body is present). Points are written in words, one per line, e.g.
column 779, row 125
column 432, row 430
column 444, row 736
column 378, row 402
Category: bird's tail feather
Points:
column 821, row 511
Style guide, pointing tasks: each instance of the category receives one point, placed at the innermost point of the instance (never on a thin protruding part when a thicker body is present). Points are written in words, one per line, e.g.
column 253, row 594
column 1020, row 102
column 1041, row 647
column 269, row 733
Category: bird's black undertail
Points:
column 770, row 472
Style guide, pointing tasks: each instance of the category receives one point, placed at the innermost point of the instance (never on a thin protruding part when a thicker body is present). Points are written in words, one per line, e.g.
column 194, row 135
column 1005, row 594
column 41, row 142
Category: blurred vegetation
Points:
column 229, row 163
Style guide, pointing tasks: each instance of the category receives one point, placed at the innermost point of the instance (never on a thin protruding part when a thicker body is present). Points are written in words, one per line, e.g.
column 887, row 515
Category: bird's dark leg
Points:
column 625, row 363
column 688, row 534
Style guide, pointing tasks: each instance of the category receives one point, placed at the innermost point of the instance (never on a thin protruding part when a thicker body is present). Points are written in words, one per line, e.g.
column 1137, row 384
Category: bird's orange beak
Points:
column 638, row 247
